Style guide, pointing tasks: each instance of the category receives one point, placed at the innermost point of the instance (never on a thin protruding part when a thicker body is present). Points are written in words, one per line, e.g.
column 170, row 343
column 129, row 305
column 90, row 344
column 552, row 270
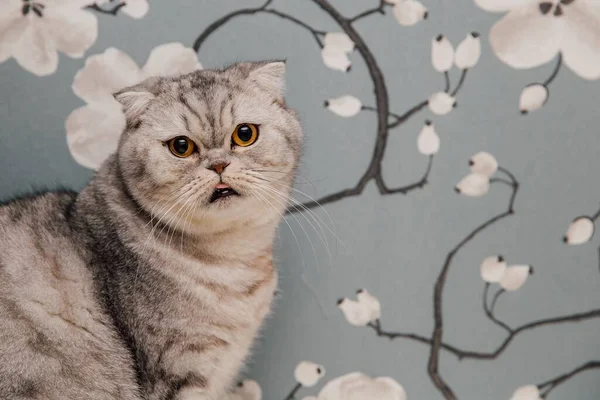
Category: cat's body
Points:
column 141, row 286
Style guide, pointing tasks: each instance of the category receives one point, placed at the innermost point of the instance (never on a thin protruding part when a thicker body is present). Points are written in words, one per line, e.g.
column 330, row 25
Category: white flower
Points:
column 483, row 163
column 33, row 32
column 527, row 392
column 134, row 8
column 344, row 106
column 246, row 390
column 335, row 59
column 533, row 97
column 441, row 103
column 335, row 51
column 358, row 386
column 534, row 31
column 409, row 12
column 493, row 269
column 515, row 277
column 370, row 302
column 339, row 41
column 355, row 313
column 580, row 231
column 308, row 373
column 428, row 141
column 442, row 53
column 473, row 185
column 93, row 131
column 468, row 51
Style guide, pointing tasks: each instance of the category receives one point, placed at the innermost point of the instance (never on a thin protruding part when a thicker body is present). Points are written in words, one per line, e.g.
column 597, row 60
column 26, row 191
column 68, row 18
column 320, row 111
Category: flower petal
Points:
column 483, row 163
column 502, row 5
column 580, row 28
column 428, row 141
column 525, row 38
column 442, row 54
column 344, row 106
column 527, row 392
column 338, row 41
column 533, row 97
column 135, row 8
column 398, row 391
column 93, row 133
column 34, row 49
column 308, row 373
column 370, row 302
column 441, row 103
column 468, row 51
column 493, row 269
column 515, row 277
column 73, row 30
column 104, row 74
column 171, row 59
column 358, row 386
column 580, row 231
column 410, row 12
column 357, row 314
column 473, row 185
column 10, row 25
column 246, row 390
column 335, row 59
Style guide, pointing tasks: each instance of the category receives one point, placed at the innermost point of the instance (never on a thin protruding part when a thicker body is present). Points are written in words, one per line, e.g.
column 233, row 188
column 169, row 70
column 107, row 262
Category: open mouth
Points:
column 222, row 192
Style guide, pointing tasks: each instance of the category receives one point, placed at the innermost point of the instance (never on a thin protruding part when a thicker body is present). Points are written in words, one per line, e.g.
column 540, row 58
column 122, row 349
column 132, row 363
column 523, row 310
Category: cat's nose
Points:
column 219, row 167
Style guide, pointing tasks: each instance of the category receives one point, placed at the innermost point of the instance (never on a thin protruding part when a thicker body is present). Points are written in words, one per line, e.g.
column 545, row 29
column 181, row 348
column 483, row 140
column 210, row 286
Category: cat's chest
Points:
column 235, row 293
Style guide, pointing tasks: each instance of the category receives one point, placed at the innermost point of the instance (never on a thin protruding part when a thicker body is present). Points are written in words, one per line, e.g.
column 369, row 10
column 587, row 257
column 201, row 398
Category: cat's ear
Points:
column 270, row 76
column 135, row 99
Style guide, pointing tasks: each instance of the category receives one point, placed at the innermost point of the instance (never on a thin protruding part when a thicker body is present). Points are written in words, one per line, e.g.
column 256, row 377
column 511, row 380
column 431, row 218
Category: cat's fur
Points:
column 138, row 287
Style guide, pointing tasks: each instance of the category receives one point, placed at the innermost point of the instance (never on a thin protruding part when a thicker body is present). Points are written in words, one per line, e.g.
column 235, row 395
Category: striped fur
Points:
column 138, row 287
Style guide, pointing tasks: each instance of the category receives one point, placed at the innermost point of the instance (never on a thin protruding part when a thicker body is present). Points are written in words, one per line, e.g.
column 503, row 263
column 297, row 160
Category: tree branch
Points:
column 436, row 339
column 550, row 385
column 292, row 394
column 384, row 190
column 113, row 11
column 478, row 355
column 555, row 71
column 489, row 311
column 316, row 33
column 379, row 9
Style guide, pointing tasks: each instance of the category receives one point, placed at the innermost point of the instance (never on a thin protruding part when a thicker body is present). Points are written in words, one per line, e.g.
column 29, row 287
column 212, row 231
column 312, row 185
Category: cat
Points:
column 153, row 281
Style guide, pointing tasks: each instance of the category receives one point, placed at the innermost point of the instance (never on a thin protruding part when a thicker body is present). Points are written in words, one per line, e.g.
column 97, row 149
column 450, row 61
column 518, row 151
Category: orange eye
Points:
column 182, row 146
column 244, row 135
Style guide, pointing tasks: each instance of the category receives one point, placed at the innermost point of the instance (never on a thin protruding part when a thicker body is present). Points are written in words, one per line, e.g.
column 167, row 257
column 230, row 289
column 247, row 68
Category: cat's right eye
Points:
column 181, row 146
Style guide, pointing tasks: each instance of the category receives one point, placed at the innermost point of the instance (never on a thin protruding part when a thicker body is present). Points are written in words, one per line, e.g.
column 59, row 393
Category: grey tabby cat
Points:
column 153, row 282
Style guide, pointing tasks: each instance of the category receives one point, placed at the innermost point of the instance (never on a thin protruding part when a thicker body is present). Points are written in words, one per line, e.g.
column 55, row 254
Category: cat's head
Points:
column 214, row 147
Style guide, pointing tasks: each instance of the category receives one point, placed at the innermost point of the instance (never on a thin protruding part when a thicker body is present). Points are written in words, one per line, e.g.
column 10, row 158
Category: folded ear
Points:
column 270, row 76
column 135, row 99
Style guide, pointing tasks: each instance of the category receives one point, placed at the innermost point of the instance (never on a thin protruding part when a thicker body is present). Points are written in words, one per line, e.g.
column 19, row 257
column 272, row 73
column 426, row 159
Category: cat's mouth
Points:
column 222, row 191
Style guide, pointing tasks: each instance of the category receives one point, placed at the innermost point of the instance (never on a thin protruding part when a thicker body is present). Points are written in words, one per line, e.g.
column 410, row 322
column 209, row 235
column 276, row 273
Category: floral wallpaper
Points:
column 440, row 242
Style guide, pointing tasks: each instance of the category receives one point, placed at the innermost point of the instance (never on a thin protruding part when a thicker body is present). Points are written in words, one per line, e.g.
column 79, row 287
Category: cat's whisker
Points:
column 259, row 196
column 300, row 204
column 189, row 202
column 301, row 207
column 284, row 204
column 324, row 210
column 317, row 220
column 287, row 199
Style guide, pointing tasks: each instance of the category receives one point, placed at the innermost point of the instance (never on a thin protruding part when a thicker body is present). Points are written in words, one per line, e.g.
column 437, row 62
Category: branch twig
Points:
column 113, row 11
column 550, row 385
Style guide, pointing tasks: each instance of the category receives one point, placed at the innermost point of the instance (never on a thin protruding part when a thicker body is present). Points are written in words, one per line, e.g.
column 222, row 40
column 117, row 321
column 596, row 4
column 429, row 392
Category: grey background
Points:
column 395, row 245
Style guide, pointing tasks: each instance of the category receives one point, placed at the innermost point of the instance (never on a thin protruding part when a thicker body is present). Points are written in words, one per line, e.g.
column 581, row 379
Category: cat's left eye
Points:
column 244, row 135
